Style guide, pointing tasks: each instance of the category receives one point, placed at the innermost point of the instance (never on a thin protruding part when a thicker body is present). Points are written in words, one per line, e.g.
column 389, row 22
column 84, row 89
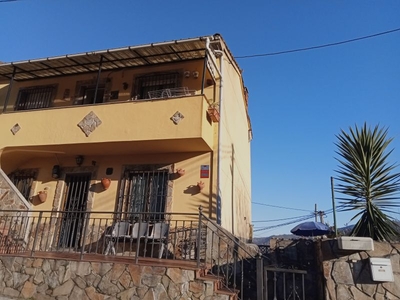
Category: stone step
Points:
column 219, row 290
column 231, row 294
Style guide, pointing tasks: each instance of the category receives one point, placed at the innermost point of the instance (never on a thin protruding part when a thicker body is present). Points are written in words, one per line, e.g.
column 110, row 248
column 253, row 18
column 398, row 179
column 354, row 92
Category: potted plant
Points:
column 213, row 112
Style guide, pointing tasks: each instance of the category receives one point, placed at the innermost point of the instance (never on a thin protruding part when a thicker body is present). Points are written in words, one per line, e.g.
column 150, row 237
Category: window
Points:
column 35, row 97
column 85, row 91
column 155, row 82
column 88, row 93
column 144, row 191
column 23, row 181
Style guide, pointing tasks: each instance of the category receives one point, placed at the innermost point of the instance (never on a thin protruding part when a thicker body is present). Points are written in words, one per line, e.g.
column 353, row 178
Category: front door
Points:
column 73, row 217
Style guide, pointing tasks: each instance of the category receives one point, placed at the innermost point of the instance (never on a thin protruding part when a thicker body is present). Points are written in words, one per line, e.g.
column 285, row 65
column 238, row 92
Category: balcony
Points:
column 175, row 121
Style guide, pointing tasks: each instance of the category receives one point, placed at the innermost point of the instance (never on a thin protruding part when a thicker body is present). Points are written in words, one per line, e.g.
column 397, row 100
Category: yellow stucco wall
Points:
column 186, row 196
column 235, row 173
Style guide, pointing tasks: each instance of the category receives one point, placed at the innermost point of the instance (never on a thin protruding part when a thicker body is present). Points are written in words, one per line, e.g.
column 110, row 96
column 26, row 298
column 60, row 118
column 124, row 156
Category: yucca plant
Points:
column 367, row 179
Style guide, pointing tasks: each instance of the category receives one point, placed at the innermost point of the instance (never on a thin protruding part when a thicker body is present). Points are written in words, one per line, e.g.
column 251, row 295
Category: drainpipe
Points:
column 221, row 84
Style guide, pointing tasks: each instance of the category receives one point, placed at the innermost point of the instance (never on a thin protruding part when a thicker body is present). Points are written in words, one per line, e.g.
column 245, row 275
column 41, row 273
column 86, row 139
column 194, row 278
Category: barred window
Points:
column 155, row 82
column 23, row 181
column 144, row 192
column 35, row 97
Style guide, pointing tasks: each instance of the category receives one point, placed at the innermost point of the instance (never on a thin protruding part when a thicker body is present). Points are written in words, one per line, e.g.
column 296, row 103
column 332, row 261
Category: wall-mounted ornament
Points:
column 89, row 123
column 106, row 182
column 177, row 117
column 180, row 172
column 201, row 185
column 42, row 195
column 213, row 113
column 15, row 129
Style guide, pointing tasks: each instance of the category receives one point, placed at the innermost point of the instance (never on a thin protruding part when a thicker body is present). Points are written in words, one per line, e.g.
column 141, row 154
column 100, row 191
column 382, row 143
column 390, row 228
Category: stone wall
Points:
column 45, row 279
column 347, row 274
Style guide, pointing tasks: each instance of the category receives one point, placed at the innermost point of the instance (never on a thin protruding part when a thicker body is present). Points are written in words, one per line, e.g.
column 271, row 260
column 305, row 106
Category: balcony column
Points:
column 98, row 79
column 9, row 89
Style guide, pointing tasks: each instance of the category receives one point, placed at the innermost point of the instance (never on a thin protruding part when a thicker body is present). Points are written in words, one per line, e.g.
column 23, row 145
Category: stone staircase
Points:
column 215, row 287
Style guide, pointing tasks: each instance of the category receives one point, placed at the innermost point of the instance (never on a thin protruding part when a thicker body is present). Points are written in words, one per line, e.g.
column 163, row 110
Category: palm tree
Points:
column 366, row 178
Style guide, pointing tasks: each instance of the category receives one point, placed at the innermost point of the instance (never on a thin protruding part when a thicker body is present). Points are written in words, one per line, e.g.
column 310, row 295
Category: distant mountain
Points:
column 265, row 240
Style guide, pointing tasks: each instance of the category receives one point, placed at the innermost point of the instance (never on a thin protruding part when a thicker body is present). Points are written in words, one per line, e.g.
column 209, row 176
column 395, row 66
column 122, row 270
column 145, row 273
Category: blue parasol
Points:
column 311, row 229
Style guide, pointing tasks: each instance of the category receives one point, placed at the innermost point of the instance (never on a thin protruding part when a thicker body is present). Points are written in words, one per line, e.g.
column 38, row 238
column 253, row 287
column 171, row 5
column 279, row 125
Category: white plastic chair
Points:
column 159, row 235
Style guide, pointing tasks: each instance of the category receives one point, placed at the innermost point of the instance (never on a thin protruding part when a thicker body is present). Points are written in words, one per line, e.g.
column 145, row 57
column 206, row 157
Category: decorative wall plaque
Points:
column 177, row 117
column 15, row 129
column 89, row 123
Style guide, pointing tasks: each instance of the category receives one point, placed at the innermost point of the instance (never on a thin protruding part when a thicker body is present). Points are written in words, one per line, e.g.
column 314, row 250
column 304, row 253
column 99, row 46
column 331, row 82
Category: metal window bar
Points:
column 149, row 83
column 23, row 182
column 144, row 192
column 35, row 97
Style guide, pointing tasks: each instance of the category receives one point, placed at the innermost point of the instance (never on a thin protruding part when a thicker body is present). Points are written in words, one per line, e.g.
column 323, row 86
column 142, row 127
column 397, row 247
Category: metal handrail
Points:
column 228, row 234
column 232, row 262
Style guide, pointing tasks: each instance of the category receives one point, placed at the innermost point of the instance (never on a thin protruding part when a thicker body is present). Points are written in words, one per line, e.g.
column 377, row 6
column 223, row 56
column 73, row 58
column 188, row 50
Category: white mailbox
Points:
column 381, row 269
column 355, row 243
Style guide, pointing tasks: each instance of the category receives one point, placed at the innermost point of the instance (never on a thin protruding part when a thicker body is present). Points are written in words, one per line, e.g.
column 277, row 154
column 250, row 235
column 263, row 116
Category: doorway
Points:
column 74, row 208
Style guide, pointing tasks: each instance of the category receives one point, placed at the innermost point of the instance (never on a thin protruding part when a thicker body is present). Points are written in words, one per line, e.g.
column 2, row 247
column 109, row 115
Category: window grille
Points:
column 144, row 192
column 23, row 182
column 35, row 97
column 149, row 83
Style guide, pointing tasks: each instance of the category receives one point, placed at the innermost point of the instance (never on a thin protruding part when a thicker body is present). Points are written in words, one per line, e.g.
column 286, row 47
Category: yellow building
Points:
column 160, row 128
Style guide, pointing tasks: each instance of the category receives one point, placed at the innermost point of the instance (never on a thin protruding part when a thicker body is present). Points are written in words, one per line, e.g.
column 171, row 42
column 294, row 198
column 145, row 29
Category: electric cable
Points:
column 283, row 207
column 319, row 46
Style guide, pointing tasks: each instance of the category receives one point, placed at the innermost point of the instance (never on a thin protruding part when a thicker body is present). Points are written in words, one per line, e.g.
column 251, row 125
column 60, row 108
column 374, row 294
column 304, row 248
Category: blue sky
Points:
column 298, row 101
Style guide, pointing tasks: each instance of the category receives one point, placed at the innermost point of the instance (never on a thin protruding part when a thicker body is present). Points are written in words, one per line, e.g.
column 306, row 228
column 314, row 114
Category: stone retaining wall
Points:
column 45, row 279
column 347, row 275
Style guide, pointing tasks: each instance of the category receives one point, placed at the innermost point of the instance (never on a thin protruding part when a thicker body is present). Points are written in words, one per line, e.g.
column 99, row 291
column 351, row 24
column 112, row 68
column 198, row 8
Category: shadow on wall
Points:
column 209, row 207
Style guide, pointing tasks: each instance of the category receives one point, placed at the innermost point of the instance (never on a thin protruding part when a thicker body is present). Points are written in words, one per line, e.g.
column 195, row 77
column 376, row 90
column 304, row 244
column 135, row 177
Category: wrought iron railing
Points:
column 230, row 258
column 174, row 236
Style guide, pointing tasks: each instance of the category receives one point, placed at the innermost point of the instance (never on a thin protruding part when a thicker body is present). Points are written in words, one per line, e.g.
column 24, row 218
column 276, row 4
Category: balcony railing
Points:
column 170, row 93
column 171, row 236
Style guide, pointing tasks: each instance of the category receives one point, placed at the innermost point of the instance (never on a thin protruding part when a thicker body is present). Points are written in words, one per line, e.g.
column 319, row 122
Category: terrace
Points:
column 133, row 238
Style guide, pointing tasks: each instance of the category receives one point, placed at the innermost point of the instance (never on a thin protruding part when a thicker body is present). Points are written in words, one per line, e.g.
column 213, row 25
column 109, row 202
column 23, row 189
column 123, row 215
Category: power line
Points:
column 276, row 220
column 283, row 207
column 320, row 46
column 283, row 224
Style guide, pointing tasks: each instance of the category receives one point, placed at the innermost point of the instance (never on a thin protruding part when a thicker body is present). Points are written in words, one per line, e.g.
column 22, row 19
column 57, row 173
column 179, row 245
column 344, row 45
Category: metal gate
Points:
column 284, row 284
column 73, row 218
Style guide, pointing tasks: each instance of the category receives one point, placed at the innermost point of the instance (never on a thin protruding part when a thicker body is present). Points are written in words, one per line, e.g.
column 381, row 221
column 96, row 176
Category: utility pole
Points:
column 316, row 212
column 319, row 213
